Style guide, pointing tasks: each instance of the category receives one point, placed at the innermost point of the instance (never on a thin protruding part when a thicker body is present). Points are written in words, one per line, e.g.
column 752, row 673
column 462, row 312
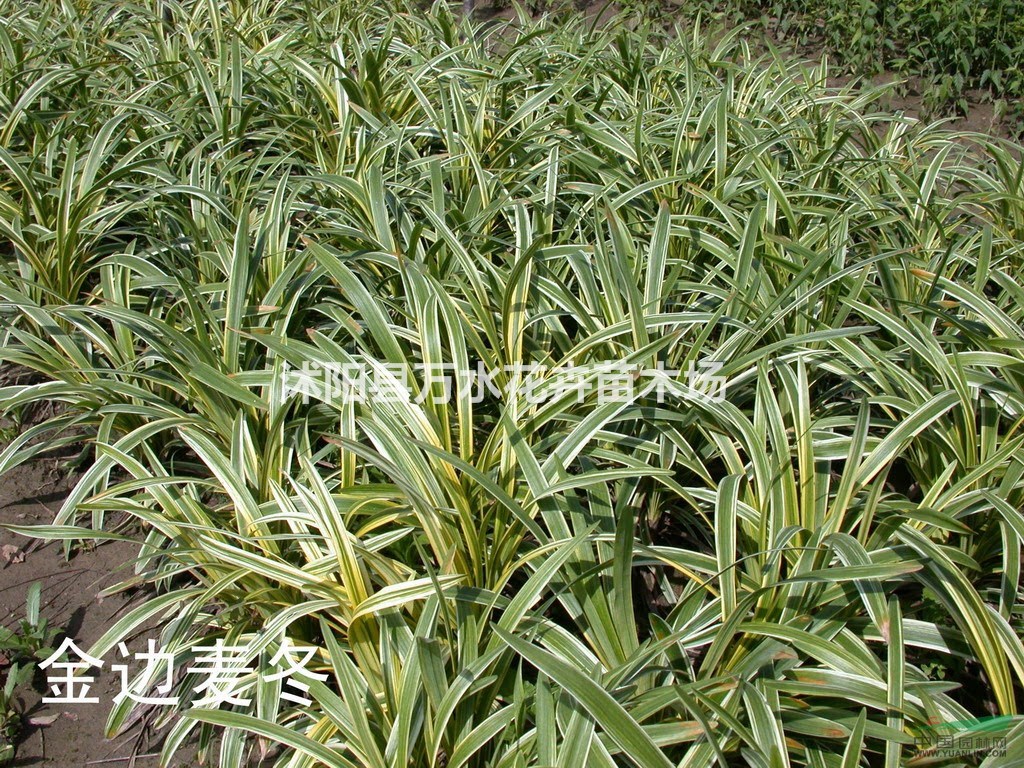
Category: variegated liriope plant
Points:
column 199, row 199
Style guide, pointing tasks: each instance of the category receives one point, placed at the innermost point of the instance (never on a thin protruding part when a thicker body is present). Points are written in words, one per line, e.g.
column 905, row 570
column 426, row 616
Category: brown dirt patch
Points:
column 31, row 494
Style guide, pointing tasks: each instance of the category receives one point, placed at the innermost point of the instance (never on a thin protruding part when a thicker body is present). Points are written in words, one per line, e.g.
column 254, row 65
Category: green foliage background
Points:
column 953, row 45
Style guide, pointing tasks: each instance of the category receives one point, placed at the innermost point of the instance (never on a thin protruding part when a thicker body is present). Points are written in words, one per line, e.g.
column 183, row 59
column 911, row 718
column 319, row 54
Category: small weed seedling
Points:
column 20, row 650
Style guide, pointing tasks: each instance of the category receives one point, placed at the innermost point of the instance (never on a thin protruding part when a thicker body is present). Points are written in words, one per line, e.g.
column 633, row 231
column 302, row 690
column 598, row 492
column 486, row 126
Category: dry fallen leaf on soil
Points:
column 12, row 554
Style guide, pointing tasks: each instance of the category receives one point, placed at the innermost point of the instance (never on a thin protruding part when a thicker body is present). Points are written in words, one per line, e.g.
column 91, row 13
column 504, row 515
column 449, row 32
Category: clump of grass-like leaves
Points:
column 197, row 198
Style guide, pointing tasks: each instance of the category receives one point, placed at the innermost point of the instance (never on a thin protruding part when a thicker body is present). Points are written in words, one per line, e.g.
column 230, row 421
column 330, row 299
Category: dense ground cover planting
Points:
column 947, row 48
column 821, row 568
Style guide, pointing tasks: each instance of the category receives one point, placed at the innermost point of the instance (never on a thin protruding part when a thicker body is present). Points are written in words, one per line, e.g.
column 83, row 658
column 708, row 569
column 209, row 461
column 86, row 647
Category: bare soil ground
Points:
column 61, row 735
